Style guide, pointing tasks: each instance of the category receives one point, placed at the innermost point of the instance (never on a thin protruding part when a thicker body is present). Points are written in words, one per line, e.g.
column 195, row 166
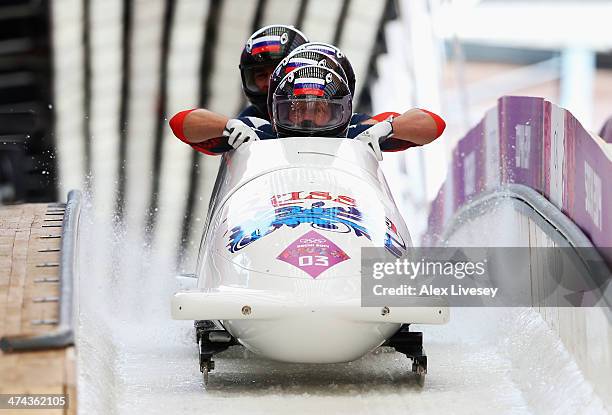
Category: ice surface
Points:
column 133, row 359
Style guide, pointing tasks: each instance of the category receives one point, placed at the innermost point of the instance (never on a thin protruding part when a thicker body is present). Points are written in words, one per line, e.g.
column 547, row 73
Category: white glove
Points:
column 375, row 135
column 238, row 132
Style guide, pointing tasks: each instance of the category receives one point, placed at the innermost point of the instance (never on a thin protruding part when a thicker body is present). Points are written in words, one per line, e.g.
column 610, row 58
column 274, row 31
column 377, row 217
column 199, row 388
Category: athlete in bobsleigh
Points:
column 288, row 48
column 262, row 52
column 279, row 269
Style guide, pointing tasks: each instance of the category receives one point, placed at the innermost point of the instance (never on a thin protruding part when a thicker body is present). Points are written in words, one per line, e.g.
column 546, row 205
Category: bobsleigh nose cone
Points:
column 311, row 338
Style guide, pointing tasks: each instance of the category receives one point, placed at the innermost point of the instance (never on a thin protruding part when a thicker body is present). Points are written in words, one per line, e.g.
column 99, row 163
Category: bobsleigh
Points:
column 279, row 269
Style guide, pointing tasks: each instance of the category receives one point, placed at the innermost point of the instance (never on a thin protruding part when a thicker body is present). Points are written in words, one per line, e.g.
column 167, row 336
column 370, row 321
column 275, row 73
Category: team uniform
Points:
column 312, row 86
column 391, row 144
column 252, row 111
column 219, row 145
column 264, row 131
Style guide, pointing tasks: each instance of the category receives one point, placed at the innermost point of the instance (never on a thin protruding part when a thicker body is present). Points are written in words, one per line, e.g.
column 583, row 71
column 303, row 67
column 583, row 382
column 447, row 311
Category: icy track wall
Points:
column 530, row 142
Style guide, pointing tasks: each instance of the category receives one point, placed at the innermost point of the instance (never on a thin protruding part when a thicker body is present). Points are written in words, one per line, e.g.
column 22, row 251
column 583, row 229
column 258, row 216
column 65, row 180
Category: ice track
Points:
column 134, row 359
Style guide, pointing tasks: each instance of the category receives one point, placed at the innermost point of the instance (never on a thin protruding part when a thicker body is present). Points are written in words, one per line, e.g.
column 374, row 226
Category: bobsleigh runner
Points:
column 279, row 268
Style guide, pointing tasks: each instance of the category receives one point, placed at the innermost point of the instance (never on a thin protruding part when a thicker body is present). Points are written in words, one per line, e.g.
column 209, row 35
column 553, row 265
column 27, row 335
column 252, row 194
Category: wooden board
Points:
column 29, row 284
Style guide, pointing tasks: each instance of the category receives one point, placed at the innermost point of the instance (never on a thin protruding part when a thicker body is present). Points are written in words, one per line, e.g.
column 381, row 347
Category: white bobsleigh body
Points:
column 279, row 264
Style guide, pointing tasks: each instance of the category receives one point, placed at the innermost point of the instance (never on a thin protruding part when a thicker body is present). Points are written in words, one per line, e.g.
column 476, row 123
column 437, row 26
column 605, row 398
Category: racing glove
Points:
column 375, row 136
column 238, row 132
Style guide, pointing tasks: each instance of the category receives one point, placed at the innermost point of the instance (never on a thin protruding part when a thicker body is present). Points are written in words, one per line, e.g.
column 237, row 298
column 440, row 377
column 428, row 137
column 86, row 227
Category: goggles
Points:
column 256, row 77
column 311, row 114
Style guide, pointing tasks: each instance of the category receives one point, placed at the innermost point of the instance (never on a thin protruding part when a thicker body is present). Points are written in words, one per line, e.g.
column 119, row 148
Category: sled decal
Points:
column 331, row 219
column 313, row 253
column 301, row 196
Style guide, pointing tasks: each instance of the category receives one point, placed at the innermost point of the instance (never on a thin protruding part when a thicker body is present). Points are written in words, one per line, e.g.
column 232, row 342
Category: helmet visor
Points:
column 257, row 78
column 311, row 114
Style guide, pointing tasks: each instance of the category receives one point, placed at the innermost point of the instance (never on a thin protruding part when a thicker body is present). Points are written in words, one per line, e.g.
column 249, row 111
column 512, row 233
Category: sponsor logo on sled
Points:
column 321, row 215
column 313, row 253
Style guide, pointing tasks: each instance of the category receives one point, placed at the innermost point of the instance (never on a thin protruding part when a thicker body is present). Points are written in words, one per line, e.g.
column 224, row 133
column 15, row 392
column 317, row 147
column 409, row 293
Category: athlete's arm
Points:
column 213, row 134
column 418, row 126
column 198, row 125
column 390, row 131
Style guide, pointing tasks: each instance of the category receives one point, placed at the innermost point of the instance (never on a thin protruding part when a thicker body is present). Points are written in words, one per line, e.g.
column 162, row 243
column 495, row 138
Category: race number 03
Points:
column 316, row 260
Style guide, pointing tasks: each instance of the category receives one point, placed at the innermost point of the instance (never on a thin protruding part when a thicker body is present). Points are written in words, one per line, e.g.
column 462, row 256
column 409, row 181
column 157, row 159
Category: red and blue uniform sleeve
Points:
column 253, row 111
column 218, row 145
column 358, row 118
column 210, row 147
column 393, row 144
column 383, row 116
column 440, row 124
column 176, row 124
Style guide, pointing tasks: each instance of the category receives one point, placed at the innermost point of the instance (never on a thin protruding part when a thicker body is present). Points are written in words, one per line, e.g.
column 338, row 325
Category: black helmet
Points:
column 266, row 48
column 297, row 59
column 312, row 101
column 337, row 55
